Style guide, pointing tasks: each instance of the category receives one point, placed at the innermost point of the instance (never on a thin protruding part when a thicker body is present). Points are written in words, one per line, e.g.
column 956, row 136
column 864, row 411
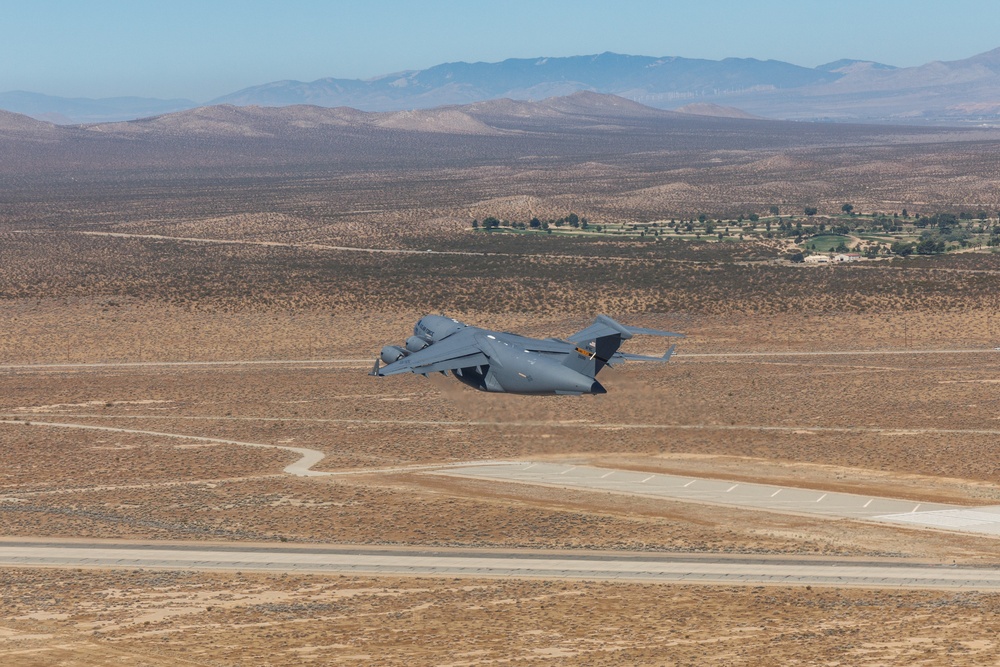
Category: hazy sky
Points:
column 201, row 49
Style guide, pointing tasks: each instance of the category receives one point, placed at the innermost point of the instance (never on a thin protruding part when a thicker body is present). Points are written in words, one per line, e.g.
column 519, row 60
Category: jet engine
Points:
column 434, row 328
column 416, row 343
column 391, row 353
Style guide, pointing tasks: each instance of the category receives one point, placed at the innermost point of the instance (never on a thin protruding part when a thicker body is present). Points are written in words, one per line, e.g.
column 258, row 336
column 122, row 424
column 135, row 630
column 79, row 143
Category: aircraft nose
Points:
column 597, row 388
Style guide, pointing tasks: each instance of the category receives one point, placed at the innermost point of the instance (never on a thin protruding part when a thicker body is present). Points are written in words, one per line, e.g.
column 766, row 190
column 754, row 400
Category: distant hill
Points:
column 493, row 117
column 709, row 109
column 227, row 120
column 846, row 64
column 560, row 143
column 24, row 127
column 961, row 92
column 67, row 110
column 275, row 139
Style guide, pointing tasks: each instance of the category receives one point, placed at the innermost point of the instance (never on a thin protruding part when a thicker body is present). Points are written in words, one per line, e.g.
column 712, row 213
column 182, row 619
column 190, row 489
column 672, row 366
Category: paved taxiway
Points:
column 603, row 566
column 980, row 520
column 767, row 497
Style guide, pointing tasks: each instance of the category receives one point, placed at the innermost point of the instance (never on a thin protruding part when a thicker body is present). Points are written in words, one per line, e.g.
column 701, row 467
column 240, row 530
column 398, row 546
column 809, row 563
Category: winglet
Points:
column 669, row 353
column 375, row 368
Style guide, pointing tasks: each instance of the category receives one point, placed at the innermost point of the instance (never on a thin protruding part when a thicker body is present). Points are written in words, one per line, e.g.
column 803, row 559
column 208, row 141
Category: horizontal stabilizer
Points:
column 645, row 357
column 605, row 326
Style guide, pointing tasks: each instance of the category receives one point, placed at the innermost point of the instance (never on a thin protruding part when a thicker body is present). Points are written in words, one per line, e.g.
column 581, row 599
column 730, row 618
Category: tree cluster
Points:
column 492, row 222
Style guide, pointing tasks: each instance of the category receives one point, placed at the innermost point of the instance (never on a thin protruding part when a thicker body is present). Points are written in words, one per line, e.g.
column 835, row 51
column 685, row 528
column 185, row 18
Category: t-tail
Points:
column 597, row 346
column 590, row 359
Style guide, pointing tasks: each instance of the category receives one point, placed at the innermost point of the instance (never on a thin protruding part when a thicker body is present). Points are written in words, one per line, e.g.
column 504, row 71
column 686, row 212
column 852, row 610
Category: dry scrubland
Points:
column 700, row 416
column 79, row 298
column 82, row 281
column 153, row 618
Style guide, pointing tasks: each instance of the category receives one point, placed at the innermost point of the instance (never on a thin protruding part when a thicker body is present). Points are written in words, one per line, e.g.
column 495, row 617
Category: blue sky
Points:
column 205, row 48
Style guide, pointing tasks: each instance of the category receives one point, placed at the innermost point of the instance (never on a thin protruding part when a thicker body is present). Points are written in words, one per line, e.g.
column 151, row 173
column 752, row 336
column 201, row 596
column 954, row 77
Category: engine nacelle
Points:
column 416, row 343
column 434, row 328
column 392, row 353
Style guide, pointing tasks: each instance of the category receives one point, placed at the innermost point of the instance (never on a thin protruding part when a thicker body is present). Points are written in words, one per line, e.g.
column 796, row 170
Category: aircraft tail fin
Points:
column 590, row 360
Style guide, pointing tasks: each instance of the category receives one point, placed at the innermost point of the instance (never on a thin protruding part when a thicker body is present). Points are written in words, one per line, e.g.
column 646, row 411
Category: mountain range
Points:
column 959, row 92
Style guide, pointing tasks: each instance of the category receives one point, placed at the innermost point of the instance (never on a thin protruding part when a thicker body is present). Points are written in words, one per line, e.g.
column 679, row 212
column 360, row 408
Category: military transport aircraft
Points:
column 505, row 362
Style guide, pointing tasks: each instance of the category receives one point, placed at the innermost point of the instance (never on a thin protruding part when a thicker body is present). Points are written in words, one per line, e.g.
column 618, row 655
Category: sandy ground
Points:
column 86, row 330
column 909, row 426
column 60, row 617
column 922, row 427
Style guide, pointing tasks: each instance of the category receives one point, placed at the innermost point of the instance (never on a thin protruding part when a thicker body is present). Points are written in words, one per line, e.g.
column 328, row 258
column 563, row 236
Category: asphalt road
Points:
column 602, row 566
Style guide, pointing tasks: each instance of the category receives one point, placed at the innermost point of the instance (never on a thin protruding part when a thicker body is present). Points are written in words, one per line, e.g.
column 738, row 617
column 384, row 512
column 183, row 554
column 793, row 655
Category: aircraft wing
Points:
column 605, row 326
column 536, row 344
column 456, row 351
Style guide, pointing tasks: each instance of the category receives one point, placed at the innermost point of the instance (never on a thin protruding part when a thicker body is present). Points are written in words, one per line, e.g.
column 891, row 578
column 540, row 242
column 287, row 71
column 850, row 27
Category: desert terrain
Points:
column 229, row 279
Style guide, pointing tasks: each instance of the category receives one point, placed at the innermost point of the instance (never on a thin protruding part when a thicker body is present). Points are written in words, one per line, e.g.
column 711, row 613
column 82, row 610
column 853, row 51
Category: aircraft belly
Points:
column 534, row 374
column 474, row 376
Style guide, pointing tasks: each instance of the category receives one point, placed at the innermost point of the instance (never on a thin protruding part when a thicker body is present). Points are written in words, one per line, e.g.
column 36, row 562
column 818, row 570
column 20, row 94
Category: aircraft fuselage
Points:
column 502, row 362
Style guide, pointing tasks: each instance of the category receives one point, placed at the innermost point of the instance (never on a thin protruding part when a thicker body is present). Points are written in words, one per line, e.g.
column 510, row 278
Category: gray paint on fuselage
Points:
column 496, row 361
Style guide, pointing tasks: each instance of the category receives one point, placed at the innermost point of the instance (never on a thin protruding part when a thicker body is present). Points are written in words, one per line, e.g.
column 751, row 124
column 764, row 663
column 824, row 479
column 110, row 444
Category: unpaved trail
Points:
column 308, row 457
column 283, row 244
column 300, row 468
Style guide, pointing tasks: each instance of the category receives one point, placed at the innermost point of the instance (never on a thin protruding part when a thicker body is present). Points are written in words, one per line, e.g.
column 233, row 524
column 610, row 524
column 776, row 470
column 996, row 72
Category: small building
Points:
column 817, row 259
column 847, row 257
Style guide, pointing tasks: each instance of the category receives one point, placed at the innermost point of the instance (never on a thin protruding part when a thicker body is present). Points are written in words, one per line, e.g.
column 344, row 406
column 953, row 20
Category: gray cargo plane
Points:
column 504, row 362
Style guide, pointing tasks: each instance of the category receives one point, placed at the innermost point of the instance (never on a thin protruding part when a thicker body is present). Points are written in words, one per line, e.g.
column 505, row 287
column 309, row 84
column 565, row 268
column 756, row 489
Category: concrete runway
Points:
column 767, row 497
column 522, row 563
